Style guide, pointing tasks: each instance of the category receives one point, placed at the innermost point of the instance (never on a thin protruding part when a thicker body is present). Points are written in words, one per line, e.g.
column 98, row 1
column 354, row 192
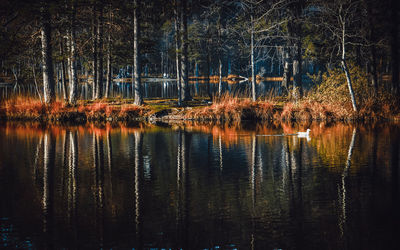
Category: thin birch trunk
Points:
column 35, row 81
column 286, row 69
column 253, row 74
column 109, row 70
column 47, row 62
column 220, row 78
column 177, row 54
column 345, row 68
column 185, row 70
column 73, row 94
column 63, row 75
column 94, row 52
column 136, row 57
column 99, row 38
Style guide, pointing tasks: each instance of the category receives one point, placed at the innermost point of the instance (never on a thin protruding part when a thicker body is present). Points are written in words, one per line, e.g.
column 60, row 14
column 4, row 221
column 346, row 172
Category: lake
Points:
column 199, row 186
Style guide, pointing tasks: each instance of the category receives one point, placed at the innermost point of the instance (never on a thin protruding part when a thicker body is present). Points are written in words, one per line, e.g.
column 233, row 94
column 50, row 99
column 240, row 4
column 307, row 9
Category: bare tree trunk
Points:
column 220, row 78
column 219, row 55
column 47, row 63
column 99, row 37
column 109, row 70
column 185, row 72
column 35, row 81
column 16, row 77
column 253, row 73
column 208, row 73
column 63, row 75
column 394, row 46
column 286, row 69
column 297, row 9
column 373, row 64
column 374, row 80
column 94, row 51
column 345, row 68
column 136, row 56
column 177, row 54
column 297, row 69
column 73, row 80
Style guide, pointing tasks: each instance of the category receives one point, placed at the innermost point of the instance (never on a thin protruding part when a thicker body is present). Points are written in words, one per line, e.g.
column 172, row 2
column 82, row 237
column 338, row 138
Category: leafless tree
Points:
column 338, row 17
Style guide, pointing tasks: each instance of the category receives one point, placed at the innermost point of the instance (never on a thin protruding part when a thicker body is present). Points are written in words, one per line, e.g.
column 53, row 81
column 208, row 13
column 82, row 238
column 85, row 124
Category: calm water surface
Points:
column 197, row 187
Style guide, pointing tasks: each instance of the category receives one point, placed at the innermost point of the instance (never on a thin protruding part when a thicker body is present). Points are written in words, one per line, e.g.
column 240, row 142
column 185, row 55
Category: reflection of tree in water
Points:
column 182, row 206
column 48, row 187
column 73, row 184
column 37, row 158
column 252, row 175
column 110, row 166
column 343, row 191
column 98, row 188
column 138, row 187
column 284, row 189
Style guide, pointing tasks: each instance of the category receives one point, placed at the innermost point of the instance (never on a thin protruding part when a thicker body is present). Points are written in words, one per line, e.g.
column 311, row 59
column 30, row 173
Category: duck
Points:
column 304, row 134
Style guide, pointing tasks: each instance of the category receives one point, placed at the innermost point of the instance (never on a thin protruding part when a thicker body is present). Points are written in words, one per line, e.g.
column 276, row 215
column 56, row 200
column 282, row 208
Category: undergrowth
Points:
column 329, row 100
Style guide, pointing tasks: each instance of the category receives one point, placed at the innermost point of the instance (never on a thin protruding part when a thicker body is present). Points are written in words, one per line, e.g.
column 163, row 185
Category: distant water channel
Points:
column 199, row 186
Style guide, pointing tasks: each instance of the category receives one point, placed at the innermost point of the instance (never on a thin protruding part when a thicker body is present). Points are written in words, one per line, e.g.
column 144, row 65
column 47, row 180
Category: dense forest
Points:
column 83, row 49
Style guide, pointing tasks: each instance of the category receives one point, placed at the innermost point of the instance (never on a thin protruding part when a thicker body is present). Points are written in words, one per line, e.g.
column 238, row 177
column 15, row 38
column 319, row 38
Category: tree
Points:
column 73, row 94
column 109, row 48
column 253, row 74
column 136, row 55
column 63, row 72
column 342, row 15
column 177, row 51
column 99, row 38
column 296, row 32
column 371, row 34
column 47, row 62
column 184, row 47
column 94, row 50
column 394, row 50
column 336, row 18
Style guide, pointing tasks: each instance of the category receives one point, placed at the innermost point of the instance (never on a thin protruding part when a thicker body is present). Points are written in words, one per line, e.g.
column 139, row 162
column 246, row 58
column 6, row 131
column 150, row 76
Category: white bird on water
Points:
column 304, row 134
column 299, row 135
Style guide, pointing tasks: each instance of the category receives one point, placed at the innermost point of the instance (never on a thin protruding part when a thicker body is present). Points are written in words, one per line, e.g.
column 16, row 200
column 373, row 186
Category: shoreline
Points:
column 197, row 111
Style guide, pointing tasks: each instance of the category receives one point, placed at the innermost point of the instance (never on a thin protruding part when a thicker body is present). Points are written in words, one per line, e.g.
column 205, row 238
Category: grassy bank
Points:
column 226, row 108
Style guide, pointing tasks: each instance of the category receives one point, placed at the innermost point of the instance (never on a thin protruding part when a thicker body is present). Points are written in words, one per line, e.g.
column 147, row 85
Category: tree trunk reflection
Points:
column 138, row 187
column 48, row 186
column 343, row 190
column 182, row 205
column 98, row 189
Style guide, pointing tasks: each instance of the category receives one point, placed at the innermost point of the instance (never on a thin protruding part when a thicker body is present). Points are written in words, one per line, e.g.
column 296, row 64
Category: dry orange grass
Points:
column 230, row 108
column 27, row 108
